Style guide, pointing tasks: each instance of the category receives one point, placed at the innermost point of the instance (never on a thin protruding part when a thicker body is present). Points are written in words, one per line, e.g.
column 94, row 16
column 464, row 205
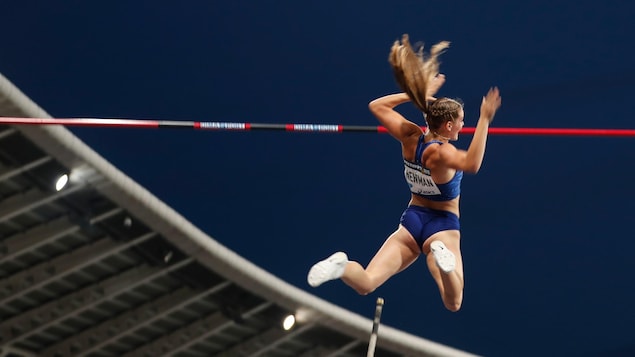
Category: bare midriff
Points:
column 450, row 206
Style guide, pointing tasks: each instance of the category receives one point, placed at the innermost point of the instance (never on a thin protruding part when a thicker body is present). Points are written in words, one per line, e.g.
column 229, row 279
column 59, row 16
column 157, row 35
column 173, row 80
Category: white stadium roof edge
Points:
column 78, row 279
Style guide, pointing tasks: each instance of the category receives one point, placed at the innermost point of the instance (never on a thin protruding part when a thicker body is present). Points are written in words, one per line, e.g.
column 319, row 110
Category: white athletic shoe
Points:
column 328, row 269
column 443, row 256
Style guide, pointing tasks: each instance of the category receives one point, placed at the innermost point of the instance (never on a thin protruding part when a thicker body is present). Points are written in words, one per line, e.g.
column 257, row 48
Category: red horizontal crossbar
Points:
column 316, row 128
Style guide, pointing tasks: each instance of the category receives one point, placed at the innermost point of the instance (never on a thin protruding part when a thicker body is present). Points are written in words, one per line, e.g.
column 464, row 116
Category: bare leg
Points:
column 450, row 284
column 397, row 253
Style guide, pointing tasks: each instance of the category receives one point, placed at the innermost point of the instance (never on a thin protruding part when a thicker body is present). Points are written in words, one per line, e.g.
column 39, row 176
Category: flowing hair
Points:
column 413, row 71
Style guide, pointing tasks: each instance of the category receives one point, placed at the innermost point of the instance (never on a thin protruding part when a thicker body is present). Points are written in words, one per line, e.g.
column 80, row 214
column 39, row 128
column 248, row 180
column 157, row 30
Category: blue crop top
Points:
column 420, row 180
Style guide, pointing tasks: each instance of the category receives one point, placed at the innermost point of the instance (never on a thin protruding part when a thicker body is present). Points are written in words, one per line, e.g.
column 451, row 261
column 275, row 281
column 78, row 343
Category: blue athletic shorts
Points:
column 423, row 222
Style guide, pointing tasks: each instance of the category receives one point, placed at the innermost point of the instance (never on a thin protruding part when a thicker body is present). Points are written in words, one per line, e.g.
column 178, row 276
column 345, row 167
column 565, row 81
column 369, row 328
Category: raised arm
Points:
column 398, row 126
column 471, row 160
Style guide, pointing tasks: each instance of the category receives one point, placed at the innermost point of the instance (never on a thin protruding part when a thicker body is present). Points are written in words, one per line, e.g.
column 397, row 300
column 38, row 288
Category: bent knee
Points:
column 453, row 306
column 363, row 290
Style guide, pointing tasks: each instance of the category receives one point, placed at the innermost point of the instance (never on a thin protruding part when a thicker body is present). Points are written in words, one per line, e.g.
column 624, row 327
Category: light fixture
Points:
column 288, row 322
column 61, row 182
column 168, row 256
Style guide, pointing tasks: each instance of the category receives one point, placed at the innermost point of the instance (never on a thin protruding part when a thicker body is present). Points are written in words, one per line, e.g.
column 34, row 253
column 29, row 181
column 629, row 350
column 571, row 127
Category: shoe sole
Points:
column 445, row 259
column 319, row 274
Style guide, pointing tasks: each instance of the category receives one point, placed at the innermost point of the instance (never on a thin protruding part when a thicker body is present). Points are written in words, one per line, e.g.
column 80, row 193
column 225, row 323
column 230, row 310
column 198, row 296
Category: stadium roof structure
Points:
column 104, row 268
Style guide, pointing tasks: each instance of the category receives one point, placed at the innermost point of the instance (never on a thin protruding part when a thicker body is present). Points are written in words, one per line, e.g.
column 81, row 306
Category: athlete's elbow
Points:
column 375, row 106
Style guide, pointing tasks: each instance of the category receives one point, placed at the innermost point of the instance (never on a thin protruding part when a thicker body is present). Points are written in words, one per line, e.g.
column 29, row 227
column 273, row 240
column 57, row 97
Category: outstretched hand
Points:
column 491, row 103
column 435, row 84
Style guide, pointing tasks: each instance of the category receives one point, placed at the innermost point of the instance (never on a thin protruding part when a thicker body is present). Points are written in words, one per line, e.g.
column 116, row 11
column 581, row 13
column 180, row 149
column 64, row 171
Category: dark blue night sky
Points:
column 547, row 229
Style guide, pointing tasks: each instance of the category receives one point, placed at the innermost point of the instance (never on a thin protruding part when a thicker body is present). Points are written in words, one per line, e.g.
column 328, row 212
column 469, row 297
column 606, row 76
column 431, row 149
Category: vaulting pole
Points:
column 315, row 128
column 372, row 343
